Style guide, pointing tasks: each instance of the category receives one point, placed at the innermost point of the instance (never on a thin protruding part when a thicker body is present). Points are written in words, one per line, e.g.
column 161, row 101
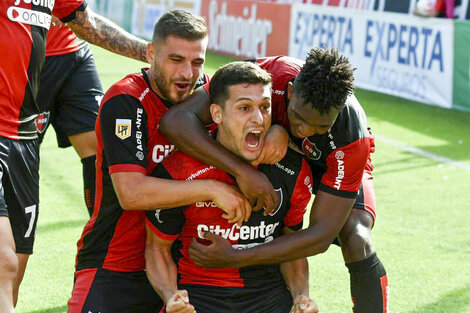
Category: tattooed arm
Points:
column 100, row 31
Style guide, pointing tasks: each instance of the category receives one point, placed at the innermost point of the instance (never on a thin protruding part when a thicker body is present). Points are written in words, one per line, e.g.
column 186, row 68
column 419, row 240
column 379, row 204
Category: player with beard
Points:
column 241, row 96
column 326, row 124
column 110, row 265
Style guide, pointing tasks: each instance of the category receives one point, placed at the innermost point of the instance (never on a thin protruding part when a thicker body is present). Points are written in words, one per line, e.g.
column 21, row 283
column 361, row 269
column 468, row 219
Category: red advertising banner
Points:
column 247, row 29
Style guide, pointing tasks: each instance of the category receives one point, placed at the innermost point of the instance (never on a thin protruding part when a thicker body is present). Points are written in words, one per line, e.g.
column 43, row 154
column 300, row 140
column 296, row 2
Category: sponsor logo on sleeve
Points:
column 157, row 215
column 123, row 128
column 29, row 16
column 339, row 155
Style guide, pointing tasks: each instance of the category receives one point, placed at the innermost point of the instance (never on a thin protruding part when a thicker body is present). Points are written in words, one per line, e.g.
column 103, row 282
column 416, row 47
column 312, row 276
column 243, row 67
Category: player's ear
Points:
column 150, row 53
column 290, row 89
column 216, row 112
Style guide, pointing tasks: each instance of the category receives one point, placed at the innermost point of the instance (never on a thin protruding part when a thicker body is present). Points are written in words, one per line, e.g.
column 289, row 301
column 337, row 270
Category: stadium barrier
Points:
column 421, row 59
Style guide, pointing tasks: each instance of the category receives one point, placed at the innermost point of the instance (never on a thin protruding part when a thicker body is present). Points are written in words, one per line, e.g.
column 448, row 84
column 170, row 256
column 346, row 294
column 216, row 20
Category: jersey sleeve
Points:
column 345, row 167
column 65, row 9
column 300, row 198
column 124, row 132
column 165, row 223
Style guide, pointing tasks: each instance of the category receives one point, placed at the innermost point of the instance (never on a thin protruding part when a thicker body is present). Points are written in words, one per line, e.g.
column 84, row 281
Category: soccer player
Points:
column 241, row 96
column 24, row 27
column 327, row 125
column 110, row 265
column 69, row 96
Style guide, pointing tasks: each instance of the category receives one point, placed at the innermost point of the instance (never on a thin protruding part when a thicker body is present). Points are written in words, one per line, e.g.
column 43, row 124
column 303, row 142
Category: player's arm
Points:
column 183, row 125
column 327, row 216
column 295, row 274
column 100, row 31
column 162, row 273
column 137, row 191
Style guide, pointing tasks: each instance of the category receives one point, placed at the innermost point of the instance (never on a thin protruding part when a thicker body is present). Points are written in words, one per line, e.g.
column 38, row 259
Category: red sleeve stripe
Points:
column 157, row 232
column 300, row 197
column 127, row 168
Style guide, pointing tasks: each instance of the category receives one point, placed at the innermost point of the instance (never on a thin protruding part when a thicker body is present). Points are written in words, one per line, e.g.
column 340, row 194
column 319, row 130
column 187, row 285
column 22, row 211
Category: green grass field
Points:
column 422, row 233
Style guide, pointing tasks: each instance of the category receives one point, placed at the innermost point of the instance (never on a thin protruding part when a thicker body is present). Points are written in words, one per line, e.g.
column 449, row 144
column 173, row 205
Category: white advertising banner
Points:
column 408, row 57
column 146, row 13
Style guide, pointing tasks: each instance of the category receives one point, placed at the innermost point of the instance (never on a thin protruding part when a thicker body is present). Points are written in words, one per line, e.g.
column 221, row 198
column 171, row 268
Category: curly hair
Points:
column 325, row 81
column 234, row 73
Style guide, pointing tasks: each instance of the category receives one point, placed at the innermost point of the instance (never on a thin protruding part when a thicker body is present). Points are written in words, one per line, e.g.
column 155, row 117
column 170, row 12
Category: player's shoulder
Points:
column 181, row 166
column 133, row 85
column 279, row 62
column 290, row 166
column 351, row 123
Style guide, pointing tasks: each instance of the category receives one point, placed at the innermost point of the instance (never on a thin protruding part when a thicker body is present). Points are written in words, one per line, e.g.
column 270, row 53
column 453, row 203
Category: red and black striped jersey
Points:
column 24, row 26
column 292, row 181
column 62, row 40
column 343, row 152
column 128, row 140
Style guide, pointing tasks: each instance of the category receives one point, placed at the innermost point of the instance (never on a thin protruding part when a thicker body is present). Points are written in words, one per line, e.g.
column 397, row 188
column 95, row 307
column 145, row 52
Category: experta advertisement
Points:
column 247, row 29
column 146, row 13
column 409, row 57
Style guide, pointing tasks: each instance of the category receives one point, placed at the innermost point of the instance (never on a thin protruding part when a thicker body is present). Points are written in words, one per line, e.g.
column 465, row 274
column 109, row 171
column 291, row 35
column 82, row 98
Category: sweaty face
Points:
column 305, row 121
column 178, row 63
column 245, row 119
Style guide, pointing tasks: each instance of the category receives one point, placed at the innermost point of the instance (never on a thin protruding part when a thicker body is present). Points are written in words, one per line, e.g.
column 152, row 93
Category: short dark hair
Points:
column 234, row 73
column 180, row 23
column 325, row 81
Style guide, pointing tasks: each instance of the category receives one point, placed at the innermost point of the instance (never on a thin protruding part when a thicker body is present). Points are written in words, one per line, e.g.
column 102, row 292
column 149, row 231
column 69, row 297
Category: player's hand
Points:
column 258, row 189
column 275, row 146
column 179, row 303
column 56, row 22
column 218, row 254
column 228, row 198
column 303, row 304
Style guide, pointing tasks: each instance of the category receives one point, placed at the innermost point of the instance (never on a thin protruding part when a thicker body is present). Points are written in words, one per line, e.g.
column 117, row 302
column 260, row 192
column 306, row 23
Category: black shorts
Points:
column 69, row 94
column 19, row 189
column 268, row 299
column 105, row 291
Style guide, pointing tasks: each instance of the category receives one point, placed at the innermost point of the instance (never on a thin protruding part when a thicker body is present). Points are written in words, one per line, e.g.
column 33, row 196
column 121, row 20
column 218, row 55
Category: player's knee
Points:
column 357, row 239
column 8, row 263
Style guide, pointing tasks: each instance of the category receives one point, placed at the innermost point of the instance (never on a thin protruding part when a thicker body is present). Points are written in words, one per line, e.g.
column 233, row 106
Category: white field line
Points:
column 422, row 153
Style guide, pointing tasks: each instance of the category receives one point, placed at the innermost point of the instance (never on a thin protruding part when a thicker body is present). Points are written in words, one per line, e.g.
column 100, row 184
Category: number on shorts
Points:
column 30, row 209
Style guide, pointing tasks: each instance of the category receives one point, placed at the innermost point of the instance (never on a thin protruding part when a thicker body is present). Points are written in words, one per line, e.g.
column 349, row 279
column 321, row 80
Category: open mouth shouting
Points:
column 253, row 140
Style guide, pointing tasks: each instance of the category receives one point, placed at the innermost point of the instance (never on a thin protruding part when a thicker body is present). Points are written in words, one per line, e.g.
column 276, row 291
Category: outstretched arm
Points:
column 100, row 31
column 183, row 125
column 162, row 274
column 295, row 274
column 327, row 217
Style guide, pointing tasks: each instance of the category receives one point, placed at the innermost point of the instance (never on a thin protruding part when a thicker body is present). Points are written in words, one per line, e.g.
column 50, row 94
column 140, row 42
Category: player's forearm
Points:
column 304, row 243
column 161, row 272
column 100, row 31
column 148, row 193
column 295, row 274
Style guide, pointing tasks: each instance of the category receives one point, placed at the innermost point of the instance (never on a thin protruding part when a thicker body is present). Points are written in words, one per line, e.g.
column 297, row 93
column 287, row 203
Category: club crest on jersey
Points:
column 123, row 128
column 280, row 196
column 310, row 150
column 41, row 121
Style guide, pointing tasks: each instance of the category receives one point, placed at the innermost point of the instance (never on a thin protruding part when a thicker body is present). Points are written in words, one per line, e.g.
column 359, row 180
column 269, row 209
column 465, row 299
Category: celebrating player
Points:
column 24, row 27
column 327, row 125
column 110, row 259
column 241, row 96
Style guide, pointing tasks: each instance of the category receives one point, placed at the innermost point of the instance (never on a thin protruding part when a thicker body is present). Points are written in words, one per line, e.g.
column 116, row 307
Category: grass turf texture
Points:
column 422, row 233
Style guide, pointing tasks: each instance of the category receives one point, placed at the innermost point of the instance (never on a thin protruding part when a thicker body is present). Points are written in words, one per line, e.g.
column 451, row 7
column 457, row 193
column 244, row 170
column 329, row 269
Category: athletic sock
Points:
column 369, row 285
column 89, row 182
